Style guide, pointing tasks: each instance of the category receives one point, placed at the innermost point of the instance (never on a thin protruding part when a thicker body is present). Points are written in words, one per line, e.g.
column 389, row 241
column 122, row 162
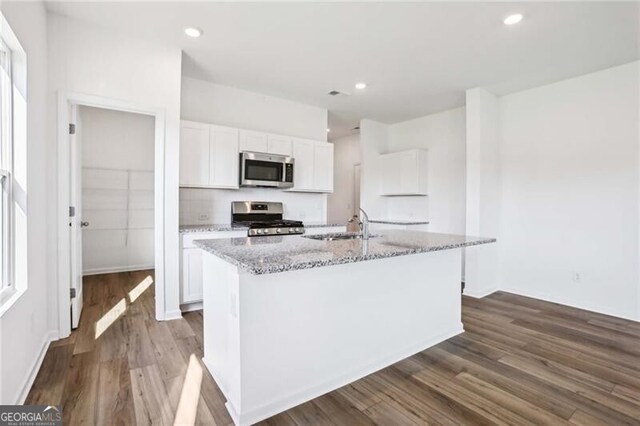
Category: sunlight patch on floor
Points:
column 140, row 288
column 188, row 404
column 110, row 317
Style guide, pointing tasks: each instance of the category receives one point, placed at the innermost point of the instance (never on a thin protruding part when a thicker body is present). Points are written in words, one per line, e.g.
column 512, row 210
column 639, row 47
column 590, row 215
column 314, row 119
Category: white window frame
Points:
column 7, row 285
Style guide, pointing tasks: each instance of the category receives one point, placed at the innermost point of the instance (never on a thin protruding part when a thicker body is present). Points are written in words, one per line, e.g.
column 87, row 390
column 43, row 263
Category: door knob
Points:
column 84, row 224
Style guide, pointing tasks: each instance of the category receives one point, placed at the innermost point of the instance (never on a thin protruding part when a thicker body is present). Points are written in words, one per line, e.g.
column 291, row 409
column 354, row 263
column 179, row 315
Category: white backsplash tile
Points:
column 213, row 206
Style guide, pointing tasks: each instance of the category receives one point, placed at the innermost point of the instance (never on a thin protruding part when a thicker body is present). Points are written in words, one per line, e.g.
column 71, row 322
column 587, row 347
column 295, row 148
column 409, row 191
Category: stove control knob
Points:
column 278, row 231
column 260, row 231
column 298, row 230
column 292, row 230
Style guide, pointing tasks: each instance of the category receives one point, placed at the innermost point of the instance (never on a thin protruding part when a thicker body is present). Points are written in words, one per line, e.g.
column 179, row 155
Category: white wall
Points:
column 86, row 59
column 208, row 102
column 227, row 106
column 346, row 154
column 25, row 329
column 117, row 190
column 373, row 142
column 483, row 190
column 569, row 166
column 443, row 136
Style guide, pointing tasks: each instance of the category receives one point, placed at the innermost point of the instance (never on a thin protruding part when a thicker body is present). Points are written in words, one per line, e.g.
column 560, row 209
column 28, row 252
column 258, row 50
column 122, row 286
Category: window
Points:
column 6, row 169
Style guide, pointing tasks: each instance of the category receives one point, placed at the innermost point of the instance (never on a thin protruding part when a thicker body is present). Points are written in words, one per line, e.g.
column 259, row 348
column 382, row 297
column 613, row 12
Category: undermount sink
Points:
column 333, row 237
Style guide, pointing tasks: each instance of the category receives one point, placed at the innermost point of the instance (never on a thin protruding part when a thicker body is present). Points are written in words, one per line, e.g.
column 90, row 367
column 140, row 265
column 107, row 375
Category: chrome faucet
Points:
column 364, row 226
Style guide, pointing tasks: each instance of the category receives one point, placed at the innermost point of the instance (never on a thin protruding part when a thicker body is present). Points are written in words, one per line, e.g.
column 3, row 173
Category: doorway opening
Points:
column 113, row 196
column 111, row 173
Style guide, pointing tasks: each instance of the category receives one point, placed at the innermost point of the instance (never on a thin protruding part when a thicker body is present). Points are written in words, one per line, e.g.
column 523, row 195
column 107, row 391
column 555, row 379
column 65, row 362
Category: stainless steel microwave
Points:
column 270, row 170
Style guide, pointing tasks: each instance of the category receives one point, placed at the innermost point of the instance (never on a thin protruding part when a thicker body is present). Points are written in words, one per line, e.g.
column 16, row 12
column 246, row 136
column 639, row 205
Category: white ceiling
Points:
column 418, row 58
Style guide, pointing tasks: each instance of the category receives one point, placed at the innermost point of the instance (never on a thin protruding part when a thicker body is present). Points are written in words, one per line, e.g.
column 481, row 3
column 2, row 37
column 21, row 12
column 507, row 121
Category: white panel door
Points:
column 224, row 157
column 277, row 144
column 323, row 167
column 253, row 141
column 191, row 275
column 304, row 155
column 194, row 154
column 76, row 222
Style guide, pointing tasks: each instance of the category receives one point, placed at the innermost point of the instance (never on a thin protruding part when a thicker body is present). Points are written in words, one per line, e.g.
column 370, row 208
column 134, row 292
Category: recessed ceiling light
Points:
column 361, row 86
column 193, row 32
column 513, row 19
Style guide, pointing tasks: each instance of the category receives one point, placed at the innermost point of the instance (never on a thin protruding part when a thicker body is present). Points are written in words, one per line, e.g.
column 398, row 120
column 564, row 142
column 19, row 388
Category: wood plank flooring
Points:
column 521, row 361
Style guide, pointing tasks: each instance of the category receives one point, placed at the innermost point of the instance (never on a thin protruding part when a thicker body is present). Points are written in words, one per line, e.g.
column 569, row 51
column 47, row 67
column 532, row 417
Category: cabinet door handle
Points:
column 84, row 224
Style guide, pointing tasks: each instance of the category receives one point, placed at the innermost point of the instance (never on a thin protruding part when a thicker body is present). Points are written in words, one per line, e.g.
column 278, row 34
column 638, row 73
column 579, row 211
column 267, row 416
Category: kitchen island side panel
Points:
column 304, row 333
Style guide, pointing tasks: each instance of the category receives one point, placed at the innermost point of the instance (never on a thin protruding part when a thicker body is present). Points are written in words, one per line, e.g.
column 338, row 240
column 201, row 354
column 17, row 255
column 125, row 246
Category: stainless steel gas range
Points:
column 263, row 218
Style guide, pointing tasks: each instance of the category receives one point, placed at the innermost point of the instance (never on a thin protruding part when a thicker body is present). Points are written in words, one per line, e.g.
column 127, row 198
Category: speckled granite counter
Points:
column 220, row 227
column 399, row 222
column 223, row 227
column 266, row 255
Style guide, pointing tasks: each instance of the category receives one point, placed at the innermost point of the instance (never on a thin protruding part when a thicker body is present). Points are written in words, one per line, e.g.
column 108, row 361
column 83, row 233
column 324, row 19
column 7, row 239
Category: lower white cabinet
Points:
column 325, row 230
column 191, row 275
column 191, row 263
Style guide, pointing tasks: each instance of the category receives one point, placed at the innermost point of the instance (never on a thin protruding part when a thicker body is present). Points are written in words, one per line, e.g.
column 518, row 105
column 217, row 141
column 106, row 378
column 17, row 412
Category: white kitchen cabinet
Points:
column 303, row 155
column 318, row 230
column 191, row 263
column 403, row 173
column 194, row 154
column 191, row 275
column 323, row 167
column 277, row 144
column 223, row 157
column 313, row 170
column 253, row 141
column 208, row 156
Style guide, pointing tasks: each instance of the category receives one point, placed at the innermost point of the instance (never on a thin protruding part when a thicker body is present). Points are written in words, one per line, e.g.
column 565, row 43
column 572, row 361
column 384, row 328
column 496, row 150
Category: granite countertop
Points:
column 222, row 227
column 267, row 255
column 399, row 222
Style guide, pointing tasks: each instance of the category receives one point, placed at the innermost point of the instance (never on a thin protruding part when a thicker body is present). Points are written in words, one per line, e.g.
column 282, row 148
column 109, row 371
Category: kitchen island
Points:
column 287, row 319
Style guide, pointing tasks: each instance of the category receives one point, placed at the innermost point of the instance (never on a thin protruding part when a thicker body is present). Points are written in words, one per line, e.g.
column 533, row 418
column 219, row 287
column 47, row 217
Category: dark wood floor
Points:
column 520, row 361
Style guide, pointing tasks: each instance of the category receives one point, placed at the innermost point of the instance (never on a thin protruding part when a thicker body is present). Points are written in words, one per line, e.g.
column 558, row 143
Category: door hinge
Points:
column 72, row 293
column 72, row 129
column 462, row 287
column 72, row 211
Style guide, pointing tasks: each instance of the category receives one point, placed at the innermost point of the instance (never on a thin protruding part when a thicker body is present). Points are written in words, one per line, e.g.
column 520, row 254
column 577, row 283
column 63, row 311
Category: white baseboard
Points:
column 116, row 269
column 188, row 307
column 28, row 382
column 548, row 298
column 481, row 293
column 301, row 397
column 171, row 315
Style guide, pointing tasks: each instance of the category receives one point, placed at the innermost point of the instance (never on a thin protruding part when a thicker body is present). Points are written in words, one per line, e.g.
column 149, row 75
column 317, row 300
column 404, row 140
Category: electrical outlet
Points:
column 203, row 216
column 577, row 277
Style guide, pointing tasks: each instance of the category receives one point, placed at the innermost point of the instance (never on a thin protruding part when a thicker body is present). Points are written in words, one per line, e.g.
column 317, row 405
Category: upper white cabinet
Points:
column 313, row 169
column 323, row 166
column 404, row 173
column 253, row 141
column 277, row 144
column 194, row 154
column 223, row 157
column 208, row 155
column 303, row 155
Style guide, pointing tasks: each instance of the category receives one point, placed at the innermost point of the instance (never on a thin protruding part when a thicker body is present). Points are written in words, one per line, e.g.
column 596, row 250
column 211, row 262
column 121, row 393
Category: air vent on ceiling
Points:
column 338, row 93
